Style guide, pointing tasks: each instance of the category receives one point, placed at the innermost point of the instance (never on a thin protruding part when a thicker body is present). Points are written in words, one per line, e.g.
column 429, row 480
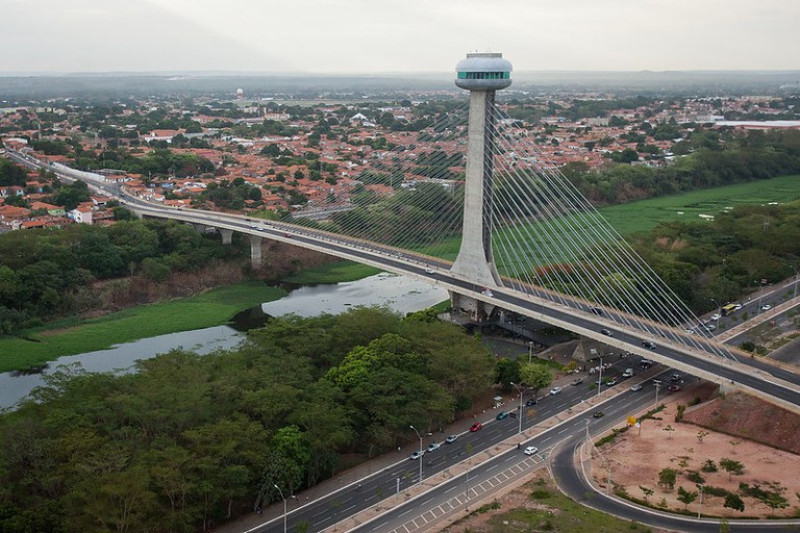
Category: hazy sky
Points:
column 365, row 36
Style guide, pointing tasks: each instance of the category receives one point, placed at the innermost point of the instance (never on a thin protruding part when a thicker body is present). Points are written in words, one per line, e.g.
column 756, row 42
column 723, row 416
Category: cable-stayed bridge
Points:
column 490, row 219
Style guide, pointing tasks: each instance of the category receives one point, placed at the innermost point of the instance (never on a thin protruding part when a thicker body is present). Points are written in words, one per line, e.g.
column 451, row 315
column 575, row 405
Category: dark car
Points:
column 650, row 345
column 598, row 414
column 502, row 415
column 597, row 311
column 477, row 426
column 531, row 402
column 674, row 388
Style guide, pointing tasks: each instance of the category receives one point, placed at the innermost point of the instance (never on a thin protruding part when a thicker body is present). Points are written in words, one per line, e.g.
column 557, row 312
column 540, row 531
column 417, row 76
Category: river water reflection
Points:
column 396, row 292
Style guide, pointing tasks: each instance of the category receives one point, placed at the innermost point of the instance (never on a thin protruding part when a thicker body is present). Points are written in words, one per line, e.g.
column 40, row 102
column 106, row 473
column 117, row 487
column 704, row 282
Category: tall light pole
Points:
column 657, row 383
column 600, row 377
column 519, row 431
column 284, row 506
column 420, row 453
column 530, row 343
column 699, row 509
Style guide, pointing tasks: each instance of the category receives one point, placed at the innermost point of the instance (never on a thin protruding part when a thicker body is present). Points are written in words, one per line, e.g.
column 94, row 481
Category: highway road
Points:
column 349, row 500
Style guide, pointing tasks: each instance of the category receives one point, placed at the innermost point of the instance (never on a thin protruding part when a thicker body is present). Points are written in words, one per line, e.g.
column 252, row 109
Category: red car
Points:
column 476, row 426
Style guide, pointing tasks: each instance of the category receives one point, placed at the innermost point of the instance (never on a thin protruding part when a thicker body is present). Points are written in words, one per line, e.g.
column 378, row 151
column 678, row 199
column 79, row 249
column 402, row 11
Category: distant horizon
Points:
column 367, row 74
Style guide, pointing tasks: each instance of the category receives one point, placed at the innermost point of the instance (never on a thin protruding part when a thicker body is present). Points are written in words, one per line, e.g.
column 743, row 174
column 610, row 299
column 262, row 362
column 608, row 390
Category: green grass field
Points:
column 69, row 337
column 645, row 215
column 333, row 273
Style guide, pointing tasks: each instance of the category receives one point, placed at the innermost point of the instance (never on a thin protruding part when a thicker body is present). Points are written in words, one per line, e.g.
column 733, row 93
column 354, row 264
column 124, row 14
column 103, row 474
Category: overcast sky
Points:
column 373, row 36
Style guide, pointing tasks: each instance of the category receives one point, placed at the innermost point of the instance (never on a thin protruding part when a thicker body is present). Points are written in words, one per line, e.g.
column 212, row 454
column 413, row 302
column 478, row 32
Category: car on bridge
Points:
column 530, row 450
column 606, row 332
column 650, row 345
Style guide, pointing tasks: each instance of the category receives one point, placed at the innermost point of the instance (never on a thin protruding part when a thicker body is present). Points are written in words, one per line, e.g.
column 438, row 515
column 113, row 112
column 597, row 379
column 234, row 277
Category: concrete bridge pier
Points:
column 477, row 310
column 255, row 251
column 227, row 234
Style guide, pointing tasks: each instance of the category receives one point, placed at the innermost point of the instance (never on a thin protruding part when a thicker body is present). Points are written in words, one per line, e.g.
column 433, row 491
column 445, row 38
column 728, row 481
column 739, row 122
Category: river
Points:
column 399, row 293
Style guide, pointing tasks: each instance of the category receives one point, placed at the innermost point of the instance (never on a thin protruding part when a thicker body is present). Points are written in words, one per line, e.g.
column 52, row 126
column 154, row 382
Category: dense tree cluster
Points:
column 189, row 440
column 725, row 258
column 746, row 157
column 45, row 273
column 11, row 174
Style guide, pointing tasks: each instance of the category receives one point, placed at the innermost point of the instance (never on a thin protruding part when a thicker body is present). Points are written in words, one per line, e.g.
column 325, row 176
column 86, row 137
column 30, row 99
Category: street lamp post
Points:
column 530, row 343
column 600, row 377
column 284, row 506
column 520, row 406
column 420, row 453
column 700, row 509
column 657, row 383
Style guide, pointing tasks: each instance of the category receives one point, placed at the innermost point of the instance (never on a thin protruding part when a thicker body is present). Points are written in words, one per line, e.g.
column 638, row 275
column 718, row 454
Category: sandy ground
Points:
column 636, row 458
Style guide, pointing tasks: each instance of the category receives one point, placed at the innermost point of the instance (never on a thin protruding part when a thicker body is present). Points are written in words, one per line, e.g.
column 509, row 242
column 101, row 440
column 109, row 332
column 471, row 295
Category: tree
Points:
column 701, row 435
column 646, row 491
column 686, row 496
column 731, row 467
column 775, row 500
column 734, row 501
column 507, row 371
column 535, row 376
column 669, row 429
column 667, row 477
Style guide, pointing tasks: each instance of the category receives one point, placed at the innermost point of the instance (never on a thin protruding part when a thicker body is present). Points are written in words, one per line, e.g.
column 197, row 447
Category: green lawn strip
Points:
column 647, row 214
column 333, row 273
column 209, row 309
column 559, row 514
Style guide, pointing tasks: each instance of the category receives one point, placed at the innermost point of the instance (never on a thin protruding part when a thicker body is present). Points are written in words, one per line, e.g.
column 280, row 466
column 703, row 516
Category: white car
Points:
column 416, row 455
column 530, row 450
column 433, row 446
column 429, row 271
column 766, row 307
column 554, row 391
column 715, row 316
column 637, row 387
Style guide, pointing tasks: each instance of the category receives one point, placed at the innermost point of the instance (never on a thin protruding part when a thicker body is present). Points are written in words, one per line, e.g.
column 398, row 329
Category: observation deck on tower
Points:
column 483, row 72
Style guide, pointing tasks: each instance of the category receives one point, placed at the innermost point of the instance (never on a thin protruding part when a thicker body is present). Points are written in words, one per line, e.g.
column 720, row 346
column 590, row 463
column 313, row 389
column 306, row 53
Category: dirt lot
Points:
column 637, row 456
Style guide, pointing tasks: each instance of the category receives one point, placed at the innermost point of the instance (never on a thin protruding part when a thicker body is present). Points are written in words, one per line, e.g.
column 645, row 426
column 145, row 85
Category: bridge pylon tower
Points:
column 482, row 74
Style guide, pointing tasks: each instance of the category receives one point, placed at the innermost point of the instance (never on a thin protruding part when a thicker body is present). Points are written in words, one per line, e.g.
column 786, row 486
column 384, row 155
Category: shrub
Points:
column 694, row 476
column 709, row 466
